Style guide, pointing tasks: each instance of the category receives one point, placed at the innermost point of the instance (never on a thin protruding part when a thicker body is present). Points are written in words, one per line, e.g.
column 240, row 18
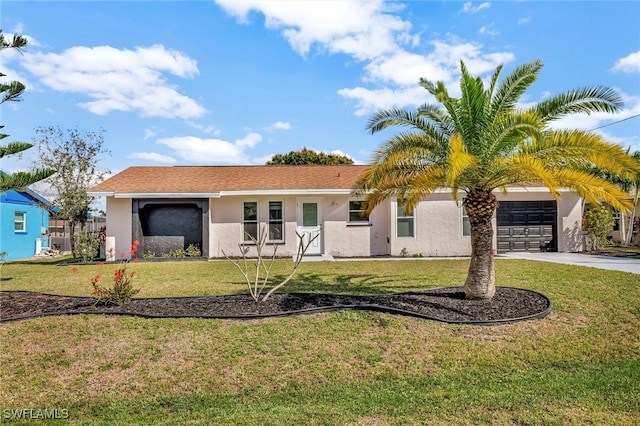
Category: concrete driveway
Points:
column 602, row 262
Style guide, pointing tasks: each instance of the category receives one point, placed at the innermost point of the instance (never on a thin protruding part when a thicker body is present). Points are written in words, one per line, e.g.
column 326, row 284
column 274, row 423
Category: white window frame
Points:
column 275, row 221
column 412, row 217
column 617, row 218
column 23, row 222
column 245, row 238
column 362, row 219
column 465, row 216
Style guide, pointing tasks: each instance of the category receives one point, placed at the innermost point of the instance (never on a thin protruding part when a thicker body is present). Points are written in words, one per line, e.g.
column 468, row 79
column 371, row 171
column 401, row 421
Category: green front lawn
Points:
column 580, row 365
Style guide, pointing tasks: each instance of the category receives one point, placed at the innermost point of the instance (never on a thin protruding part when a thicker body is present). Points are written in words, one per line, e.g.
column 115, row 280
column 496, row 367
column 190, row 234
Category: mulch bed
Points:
column 442, row 304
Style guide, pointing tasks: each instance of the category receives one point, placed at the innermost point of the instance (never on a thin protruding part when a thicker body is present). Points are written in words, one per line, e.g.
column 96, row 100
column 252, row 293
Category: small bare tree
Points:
column 255, row 282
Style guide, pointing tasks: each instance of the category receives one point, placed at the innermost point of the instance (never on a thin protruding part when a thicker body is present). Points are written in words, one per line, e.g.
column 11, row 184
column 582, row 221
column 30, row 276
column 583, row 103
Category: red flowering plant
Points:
column 122, row 290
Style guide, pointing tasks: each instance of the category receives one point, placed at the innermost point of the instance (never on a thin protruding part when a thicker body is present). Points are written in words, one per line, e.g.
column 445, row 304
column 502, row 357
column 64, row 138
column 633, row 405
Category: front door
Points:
column 309, row 224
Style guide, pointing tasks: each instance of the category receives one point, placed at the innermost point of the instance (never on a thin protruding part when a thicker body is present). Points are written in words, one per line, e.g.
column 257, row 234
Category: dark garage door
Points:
column 527, row 226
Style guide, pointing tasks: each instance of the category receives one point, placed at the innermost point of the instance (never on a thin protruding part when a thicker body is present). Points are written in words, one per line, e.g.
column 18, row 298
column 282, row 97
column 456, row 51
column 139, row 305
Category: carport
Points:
column 165, row 225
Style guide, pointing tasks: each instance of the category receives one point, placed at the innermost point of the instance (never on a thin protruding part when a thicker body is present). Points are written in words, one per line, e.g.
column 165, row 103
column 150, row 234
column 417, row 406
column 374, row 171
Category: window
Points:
column 405, row 222
column 250, row 220
column 20, row 222
column 466, row 225
column 276, row 223
column 616, row 218
column 357, row 211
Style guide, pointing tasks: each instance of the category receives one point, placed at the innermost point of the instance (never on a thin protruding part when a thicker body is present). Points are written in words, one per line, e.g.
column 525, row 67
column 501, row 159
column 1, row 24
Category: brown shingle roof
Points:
column 215, row 179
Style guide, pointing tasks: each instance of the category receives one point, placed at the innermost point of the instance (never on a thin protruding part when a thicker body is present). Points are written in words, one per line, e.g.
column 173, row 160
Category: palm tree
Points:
column 482, row 141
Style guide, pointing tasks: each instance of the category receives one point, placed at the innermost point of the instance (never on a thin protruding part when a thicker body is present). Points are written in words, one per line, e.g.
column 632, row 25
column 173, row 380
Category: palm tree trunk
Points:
column 480, row 283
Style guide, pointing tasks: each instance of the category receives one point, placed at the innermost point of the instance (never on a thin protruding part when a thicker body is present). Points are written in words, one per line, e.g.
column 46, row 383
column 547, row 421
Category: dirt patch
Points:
column 443, row 304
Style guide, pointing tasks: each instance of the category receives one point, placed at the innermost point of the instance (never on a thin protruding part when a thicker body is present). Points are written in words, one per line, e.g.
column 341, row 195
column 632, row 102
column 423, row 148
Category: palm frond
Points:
column 513, row 86
column 522, row 169
column 579, row 149
column 511, row 131
column 584, row 100
column 594, row 189
column 392, row 117
column 458, row 161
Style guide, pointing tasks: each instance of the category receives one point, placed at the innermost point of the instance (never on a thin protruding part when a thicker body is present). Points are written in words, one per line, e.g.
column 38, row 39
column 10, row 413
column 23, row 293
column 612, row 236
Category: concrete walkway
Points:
column 603, row 262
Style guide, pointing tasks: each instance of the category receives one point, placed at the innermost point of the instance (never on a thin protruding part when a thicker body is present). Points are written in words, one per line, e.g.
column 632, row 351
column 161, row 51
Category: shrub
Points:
column 193, row 250
column 85, row 246
column 122, row 290
column 598, row 223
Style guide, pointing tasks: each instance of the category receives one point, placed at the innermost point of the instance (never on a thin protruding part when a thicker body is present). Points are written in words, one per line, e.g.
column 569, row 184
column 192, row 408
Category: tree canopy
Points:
column 75, row 154
column 308, row 156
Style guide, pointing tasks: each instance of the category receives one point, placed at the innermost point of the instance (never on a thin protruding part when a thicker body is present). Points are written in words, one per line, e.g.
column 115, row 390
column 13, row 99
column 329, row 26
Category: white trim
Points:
column 362, row 221
column 462, row 216
column 243, row 221
column 276, row 192
column 157, row 194
column 284, row 192
column 282, row 222
column 23, row 222
column 317, row 247
column 414, row 221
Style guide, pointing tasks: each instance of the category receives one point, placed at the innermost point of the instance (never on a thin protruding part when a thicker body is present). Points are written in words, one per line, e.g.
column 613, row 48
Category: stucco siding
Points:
column 119, row 224
column 571, row 238
column 437, row 232
column 338, row 237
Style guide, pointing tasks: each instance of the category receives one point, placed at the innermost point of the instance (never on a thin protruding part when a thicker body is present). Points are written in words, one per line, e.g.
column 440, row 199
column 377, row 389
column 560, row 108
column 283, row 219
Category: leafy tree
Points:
column 12, row 91
column 483, row 141
column 75, row 154
column 629, row 183
column 598, row 223
column 308, row 156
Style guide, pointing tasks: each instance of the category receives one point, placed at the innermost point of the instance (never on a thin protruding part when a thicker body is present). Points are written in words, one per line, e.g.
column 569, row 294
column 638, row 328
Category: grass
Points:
column 580, row 365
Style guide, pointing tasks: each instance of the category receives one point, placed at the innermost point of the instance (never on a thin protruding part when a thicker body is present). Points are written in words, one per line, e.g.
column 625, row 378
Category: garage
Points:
column 527, row 226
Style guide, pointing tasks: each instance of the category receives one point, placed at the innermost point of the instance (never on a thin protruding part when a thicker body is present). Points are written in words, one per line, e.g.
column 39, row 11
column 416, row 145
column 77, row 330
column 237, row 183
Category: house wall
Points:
column 20, row 245
column 119, row 224
column 339, row 238
column 438, row 224
column 570, row 237
column 438, row 229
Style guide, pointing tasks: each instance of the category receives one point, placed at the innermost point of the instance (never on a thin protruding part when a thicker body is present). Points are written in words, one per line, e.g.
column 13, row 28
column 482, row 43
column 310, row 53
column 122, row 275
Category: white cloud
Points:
column 370, row 100
column 279, row 125
column 212, row 151
column 209, row 130
column 153, row 156
column 629, row 64
column 120, row 79
column 399, row 74
column 361, row 28
column 371, row 31
column 524, row 21
column 488, row 30
column 150, row 133
column 469, row 8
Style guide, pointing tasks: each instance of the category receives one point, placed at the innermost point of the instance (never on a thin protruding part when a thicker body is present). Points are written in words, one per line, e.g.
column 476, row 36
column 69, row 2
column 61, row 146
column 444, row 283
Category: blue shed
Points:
column 24, row 223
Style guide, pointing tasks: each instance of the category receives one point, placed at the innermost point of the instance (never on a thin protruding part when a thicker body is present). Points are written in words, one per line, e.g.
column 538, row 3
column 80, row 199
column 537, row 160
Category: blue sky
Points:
column 234, row 82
